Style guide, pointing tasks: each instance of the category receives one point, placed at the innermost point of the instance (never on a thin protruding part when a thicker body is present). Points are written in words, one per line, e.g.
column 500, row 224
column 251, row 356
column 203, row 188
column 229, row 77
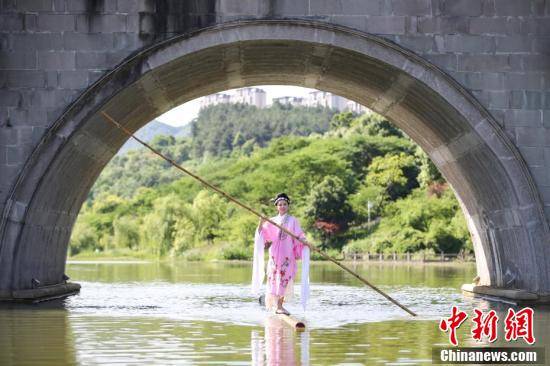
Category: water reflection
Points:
column 194, row 313
column 278, row 346
column 36, row 335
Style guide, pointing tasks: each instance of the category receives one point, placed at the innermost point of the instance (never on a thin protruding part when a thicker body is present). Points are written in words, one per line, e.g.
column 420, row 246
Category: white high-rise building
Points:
column 356, row 107
column 250, row 96
column 294, row 101
column 257, row 97
column 326, row 99
column 214, row 99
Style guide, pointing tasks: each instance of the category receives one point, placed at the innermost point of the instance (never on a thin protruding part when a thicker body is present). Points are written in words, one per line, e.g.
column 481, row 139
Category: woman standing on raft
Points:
column 283, row 253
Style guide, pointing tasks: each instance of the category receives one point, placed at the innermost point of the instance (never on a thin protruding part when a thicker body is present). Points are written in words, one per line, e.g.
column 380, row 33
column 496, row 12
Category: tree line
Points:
column 357, row 184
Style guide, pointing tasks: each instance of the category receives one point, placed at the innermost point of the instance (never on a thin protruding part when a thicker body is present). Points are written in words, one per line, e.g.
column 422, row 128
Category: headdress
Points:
column 279, row 197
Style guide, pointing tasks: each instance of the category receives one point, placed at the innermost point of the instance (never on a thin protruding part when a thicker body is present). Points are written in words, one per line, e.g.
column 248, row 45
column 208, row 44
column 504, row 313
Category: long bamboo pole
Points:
column 228, row 197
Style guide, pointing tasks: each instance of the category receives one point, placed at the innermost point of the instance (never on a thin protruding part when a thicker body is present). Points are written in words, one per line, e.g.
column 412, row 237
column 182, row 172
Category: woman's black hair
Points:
column 281, row 196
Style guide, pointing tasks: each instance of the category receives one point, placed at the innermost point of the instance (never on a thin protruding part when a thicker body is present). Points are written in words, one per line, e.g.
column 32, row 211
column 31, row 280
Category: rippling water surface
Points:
column 203, row 313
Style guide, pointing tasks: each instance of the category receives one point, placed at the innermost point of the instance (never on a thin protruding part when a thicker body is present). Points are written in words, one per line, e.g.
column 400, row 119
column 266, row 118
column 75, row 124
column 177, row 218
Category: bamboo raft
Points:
column 298, row 325
column 294, row 323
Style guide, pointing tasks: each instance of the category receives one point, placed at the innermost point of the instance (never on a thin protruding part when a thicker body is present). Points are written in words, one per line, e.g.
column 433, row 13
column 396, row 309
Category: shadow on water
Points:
column 36, row 334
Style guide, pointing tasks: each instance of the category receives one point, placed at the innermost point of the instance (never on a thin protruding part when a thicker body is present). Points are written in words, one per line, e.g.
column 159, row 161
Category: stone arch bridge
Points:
column 469, row 80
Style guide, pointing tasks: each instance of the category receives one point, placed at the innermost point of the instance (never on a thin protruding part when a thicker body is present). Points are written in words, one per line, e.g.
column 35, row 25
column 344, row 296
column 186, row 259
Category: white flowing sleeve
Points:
column 304, row 294
column 258, row 264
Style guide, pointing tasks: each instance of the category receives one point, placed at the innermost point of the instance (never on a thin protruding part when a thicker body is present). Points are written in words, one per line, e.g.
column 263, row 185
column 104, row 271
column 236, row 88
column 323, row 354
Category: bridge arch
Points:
column 503, row 210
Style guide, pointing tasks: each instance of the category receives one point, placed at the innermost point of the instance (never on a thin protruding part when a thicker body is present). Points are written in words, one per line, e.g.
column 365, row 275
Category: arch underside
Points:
column 485, row 170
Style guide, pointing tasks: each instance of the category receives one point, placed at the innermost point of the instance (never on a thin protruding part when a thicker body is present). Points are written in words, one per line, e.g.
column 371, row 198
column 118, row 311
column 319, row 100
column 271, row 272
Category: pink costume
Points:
column 281, row 267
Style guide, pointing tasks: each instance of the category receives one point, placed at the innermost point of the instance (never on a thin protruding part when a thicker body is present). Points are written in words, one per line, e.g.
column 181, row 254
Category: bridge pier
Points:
column 39, row 294
column 516, row 296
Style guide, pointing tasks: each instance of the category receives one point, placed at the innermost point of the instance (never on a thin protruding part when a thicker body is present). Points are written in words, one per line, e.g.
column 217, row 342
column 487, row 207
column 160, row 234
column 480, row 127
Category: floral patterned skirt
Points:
column 271, row 299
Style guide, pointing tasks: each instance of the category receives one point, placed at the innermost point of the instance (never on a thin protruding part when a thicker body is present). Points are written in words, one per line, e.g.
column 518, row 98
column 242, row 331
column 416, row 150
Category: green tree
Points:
column 395, row 173
column 328, row 208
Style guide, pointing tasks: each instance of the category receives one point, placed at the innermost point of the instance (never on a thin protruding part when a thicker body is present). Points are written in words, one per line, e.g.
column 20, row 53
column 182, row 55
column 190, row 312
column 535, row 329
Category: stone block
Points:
column 512, row 7
column 239, row 6
column 541, row 45
column 9, row 98
column 31, row 22
column 461, row 7
column 101, row 23
column 494, row 99
column 57, row 22
column 9, row 5
column 28, row 117
column 24, row 78
column 135, row 6
column 491, row 63
column 73, row 79
column 534, row 156
column 514, row 44
column 443, row 25
column 547, row 156
column 36, row 42
column 545, row 193
column 418, row 43
column 92, row 60
column 357, row 22
column 412, row 7
column 533, row 62
column 325, row 7
column 522, row 99
column 8, row 136
column 467, row 43
column 94, row 75
column 488, row 8
column 18, row 60
column 290, row 7
column 546, row 98
column 127, row 41
column 11, row 22
column 485, row 80
column 4, row 42
column 79, row 6
column 56, row 60
column 535, row 26
column 521, row 117
column 530, row 136
column 541, row 175
column 359, row 7
column 17, row 154
column 51, row 79
column 546, row 119
column 88, row 42
column 386, row 24
column 446, row 62
column 497, row 26
column 59, row 6
column 34, row 5
column 521, row 80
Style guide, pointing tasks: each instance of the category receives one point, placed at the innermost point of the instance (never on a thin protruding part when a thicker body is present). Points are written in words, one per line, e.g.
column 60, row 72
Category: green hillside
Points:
column 332, row 169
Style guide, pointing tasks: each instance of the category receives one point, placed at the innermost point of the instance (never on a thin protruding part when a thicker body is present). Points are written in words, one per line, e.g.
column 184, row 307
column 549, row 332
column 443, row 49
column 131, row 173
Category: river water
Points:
column 172, row 313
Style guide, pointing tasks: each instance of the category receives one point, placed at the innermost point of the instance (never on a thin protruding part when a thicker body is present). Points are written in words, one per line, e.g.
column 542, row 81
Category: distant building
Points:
column 294, row 101
column 257, row 97
column 326, row 99
column 357, row 108
column 250, row 96
column 214, row 99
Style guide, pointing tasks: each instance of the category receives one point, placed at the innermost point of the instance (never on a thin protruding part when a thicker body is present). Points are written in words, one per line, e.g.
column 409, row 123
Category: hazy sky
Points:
column 186, row 112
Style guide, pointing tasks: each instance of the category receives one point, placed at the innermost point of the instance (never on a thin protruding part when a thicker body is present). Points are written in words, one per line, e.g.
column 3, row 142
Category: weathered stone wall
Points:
column 53, row 50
